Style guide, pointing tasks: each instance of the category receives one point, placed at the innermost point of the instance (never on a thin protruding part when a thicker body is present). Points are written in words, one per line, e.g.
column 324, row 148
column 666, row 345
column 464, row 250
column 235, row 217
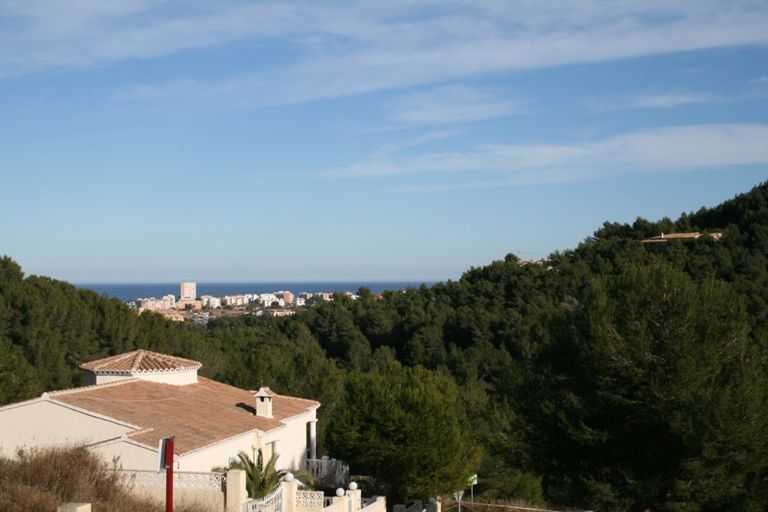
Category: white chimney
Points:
column 264, row 402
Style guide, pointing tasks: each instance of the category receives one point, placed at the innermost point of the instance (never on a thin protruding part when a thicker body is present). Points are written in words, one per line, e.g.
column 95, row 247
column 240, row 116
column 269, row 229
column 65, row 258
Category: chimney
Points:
column 264, row 402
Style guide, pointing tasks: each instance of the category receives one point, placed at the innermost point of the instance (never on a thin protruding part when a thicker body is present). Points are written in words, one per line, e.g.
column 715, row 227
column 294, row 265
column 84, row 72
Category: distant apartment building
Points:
column 188, row 290
column 286, row 296
column 279, row 312
column 267, row 299
column 326, row 296
column 153, row 304
column 172, row 314
column 209, row 301
column 195, row 305
column 234, row 300
column 300, row 302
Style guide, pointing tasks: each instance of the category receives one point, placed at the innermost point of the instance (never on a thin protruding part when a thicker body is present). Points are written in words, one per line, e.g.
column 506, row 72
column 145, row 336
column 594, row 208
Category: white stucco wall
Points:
column 41, row 423
column 175, row 378
column 293, row 447
column 217, row 455
column 128, row 455
column 183, row 498
column 293, row 442
column 92, row 379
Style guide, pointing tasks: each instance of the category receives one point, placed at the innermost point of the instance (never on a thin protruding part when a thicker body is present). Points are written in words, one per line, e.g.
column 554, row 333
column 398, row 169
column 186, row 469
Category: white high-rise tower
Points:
column 188, row 290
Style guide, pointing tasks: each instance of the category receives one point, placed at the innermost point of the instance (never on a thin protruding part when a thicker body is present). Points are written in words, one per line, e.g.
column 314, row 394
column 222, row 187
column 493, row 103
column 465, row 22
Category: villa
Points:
column 133, row 400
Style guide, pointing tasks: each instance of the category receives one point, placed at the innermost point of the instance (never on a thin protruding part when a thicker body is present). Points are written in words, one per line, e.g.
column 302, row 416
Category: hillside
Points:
column 613, row 376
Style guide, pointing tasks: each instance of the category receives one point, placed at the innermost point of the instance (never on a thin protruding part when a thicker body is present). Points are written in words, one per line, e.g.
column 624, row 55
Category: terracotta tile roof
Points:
column 140, row 361
column 197, row 414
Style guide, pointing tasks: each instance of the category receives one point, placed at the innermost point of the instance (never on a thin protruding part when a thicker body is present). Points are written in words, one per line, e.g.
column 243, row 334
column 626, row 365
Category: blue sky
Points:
column 155, row 140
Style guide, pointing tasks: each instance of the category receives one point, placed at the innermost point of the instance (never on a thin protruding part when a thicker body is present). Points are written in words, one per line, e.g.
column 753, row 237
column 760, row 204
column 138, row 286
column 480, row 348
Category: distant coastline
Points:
column 128, row 292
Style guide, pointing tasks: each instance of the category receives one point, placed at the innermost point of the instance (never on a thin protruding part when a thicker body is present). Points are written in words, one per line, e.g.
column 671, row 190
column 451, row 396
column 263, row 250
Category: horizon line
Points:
column 288, row 281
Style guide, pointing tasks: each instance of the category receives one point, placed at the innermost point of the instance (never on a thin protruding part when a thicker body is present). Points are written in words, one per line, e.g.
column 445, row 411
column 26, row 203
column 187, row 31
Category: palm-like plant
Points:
column 260, row 480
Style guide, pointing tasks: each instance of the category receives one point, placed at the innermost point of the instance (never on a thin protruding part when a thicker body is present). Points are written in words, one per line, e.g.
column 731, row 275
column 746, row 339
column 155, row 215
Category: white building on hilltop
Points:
column 135, row 399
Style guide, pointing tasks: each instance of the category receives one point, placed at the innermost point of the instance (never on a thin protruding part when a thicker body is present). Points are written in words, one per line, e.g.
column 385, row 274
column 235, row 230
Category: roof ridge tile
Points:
column 140, row 360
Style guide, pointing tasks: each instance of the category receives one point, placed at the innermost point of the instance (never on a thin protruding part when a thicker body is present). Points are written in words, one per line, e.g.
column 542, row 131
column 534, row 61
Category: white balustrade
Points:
column 271, row 503
column 309, row 501
column 181, row 479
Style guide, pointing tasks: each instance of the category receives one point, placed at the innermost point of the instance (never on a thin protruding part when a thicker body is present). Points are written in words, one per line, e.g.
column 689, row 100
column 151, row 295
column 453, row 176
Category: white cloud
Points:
column 451, row 104
column 344, row 48
column 669, row 100
column 394, row 147
column 81, row 33
column 659, row 149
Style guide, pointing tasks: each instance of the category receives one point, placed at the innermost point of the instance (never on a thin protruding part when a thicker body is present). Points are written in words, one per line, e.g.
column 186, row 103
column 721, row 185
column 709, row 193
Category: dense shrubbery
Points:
column 40, row 481
column 613, row 376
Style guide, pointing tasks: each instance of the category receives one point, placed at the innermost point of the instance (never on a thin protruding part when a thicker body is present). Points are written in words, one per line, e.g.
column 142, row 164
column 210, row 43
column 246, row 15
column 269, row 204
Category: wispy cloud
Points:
column 343, row 49
column 659, row 149
column 41, row 34
column 668, row 100
column 451, row 104
column 394, row 147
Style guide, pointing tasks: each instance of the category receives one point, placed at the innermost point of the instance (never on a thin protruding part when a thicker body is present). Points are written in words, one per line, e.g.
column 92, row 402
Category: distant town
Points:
column 202, row 309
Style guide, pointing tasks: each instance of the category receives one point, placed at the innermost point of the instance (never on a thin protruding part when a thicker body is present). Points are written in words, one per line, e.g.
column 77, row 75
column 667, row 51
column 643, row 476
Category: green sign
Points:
column 472, row 480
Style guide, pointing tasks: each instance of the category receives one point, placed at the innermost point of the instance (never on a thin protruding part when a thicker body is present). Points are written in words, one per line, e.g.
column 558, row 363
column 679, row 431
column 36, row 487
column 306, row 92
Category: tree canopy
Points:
column 406, row 426
column 614, row 376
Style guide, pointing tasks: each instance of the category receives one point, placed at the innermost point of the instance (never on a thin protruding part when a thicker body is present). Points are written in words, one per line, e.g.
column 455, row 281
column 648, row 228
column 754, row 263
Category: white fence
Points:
column 227, row 491
column 271, row 503
column 181, row 480
column 206, row 489
column 307, row 501
column 295, row 500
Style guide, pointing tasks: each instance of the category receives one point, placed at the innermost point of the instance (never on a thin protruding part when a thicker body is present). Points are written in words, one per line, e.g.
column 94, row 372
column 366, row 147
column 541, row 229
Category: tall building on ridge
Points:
column 188, row 290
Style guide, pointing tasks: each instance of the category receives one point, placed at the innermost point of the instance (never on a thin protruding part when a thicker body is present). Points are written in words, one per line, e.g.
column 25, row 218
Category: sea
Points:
column 129, row 292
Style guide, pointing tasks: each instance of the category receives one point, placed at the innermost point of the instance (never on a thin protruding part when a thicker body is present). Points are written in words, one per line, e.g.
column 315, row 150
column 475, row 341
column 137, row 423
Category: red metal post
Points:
column 169, row 474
